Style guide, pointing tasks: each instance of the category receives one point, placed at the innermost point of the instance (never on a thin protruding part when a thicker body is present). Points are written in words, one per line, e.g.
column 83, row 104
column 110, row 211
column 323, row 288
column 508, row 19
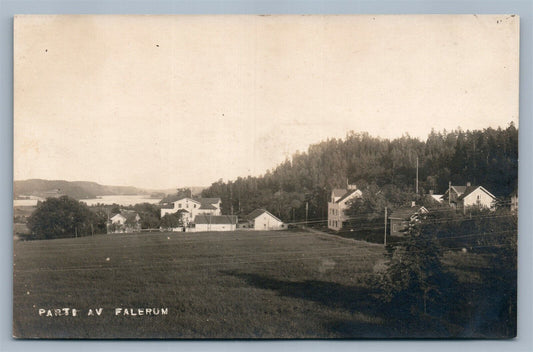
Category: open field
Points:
column 232, row 285
column 215, row 285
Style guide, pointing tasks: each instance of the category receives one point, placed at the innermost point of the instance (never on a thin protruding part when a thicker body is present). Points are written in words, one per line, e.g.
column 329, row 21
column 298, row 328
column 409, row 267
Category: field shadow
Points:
column 370, row 315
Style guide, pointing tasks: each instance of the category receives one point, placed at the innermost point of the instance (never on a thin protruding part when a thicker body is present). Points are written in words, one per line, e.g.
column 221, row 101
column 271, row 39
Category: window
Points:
column 194, row 205
column 179, row 205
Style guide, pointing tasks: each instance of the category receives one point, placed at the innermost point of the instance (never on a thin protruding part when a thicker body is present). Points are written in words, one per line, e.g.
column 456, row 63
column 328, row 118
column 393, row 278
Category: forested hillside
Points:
column 487, row 157
column 74, row 189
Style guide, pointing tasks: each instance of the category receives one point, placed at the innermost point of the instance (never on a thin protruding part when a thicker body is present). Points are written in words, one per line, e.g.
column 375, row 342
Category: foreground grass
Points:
column 215, row 285
column 239, row 285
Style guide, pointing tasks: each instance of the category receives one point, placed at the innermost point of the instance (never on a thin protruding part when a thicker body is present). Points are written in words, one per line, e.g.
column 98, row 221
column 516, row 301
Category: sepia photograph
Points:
column 265, row 176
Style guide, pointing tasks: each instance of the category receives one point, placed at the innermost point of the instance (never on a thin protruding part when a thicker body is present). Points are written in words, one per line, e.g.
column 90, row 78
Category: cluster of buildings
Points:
column 459, row 197
column 205, row 214
column 198, row 215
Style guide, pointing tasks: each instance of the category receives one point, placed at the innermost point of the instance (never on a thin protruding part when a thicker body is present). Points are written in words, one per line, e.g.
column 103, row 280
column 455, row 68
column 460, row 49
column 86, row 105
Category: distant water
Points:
column 120, row 200
column 25, row 202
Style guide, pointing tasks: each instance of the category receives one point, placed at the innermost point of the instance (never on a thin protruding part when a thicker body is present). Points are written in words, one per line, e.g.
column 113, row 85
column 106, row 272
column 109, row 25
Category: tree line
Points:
column 487, row 157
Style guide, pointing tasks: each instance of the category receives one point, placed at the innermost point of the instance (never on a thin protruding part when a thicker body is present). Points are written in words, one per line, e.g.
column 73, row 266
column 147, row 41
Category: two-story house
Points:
column 191, row 207
column 338, row 203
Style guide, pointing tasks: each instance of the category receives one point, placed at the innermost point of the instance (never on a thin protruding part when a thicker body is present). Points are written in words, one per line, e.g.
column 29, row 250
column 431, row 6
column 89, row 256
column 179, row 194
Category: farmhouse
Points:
column 469, row 196
column 339, row 203
column 400, row 218
column 125, row 221
column 261, row 219
column 191, row 207
column 207, row 222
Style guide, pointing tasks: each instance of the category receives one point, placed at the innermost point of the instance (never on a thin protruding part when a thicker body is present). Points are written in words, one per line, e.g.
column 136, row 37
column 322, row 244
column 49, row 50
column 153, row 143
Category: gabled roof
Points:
column 338, row 192
column 209, row 200
column 175, row 198
column 405, row 213
column 437, row 197
column 127, row 214
column 258, row 212
column 118, row 214
column 206, row 206
column 471, row 189
column 347, row 194
column 216, row 219
column 459, row 189
column 172, row 198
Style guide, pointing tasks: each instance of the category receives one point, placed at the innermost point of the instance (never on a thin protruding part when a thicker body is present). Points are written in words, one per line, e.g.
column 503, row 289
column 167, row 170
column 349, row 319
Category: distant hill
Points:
column 75, row 189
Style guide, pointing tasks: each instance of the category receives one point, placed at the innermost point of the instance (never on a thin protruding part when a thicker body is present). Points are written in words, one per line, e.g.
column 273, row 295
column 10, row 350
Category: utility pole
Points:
column 385, row 238
column 306, row 212
column 417, row 174
column 449, row 193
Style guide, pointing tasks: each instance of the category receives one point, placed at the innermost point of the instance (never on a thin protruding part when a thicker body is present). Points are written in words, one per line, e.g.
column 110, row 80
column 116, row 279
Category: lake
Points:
column 120, row 200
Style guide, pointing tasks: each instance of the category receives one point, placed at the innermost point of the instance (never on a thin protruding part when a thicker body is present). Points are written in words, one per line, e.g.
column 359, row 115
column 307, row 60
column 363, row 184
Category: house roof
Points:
column 437, row 197
column 216, row 219
column 338, row 192
column 209, row 200
column 471, row 189
column 459, row 189
column 405, row 213
column 129, row 215
column 208, row 206
column 347, row 194
column 257, row 212
column 172, row 198
column 175, row 198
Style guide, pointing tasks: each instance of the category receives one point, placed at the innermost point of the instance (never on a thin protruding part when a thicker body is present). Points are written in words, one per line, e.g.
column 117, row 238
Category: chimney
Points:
column 352, row 187
column 468, row 184
column 413, row 204
column 430, row 192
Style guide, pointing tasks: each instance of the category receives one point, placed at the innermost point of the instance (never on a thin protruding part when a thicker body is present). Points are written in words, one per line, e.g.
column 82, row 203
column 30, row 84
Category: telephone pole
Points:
column 449, row 193
column 306, row 212
column 417, row 174
column 385, row 238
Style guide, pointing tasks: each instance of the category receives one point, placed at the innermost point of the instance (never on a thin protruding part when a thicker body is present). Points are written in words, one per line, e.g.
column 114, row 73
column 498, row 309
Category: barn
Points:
column 207, row 222
column 261, row 219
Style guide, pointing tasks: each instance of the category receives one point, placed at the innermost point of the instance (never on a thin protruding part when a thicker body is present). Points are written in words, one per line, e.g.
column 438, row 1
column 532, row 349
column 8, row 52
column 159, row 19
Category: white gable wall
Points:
column 478, row 198
column 266, row 221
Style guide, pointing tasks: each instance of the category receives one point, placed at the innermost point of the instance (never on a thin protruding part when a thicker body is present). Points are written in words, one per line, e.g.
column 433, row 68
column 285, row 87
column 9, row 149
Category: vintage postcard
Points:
column 265, row 177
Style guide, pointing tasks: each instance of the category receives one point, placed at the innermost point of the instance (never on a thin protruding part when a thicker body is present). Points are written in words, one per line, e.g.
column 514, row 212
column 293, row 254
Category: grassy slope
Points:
column 216, row 285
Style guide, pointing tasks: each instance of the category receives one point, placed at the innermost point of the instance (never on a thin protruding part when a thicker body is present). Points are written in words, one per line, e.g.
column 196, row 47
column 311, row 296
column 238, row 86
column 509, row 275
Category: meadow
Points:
column 287, row 284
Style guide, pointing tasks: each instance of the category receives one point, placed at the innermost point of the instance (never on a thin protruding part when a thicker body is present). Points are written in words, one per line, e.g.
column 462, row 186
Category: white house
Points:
column 191, row 207
column 469, row 196
column 339, row 203
column 261, row 219
column 476, row 197
column 125, row 221
column 206, row 222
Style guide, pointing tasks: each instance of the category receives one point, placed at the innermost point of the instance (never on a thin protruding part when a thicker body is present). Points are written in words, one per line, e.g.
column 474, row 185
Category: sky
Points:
column 161, row 102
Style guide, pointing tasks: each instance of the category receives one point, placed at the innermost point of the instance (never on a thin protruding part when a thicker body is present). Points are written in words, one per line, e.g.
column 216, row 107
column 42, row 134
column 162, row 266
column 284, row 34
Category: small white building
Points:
column 125, row 221
column 469, row 196
column 261, row 219
column 339, row 201
column 206, row 222
column 477, row 197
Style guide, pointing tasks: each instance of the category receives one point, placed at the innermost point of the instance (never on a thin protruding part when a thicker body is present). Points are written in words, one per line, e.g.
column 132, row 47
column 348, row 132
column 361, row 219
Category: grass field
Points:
column 215, row 285
column 285, row 284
